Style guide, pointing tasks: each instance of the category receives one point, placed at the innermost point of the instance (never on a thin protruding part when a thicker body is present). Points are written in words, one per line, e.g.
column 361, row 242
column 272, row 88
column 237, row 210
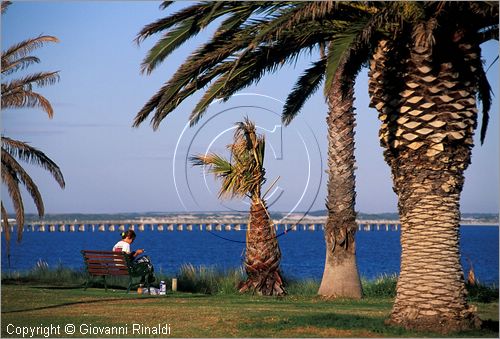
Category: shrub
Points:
column 383, row 286
column 208, row 280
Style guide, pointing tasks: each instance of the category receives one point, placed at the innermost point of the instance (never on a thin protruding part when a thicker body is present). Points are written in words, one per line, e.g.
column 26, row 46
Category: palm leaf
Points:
column 18, row 93
column 6, row 229
column 19, row 64
column 185, row 29
column 170, row 21
column 484, row 95
column 25, row 47
column 173, row 39
column 18, row 99
column 338, row 49
column 165, row 4
column 307, row 84
column 22, row 175
column 210, row 95
column 10, row 180
column 33, row 156
column 4, row 5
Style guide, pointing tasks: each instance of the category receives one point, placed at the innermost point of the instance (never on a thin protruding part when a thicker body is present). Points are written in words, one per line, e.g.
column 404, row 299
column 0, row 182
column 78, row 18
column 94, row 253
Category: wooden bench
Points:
column 109, row 263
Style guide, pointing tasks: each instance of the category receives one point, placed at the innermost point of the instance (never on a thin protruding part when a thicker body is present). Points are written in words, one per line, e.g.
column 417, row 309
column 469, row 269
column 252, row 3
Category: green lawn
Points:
column 198, row 315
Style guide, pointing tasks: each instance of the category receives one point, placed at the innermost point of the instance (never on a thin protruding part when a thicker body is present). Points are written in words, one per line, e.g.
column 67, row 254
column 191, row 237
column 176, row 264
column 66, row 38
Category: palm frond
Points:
column 166, row 45
column 23, row 176
column 165, row 4
column 170, row 21
column 4, row 5
column 24, row 152
column 210, row 95
column 181, row 31
column 253, row 66
column 19, row 64
column 339, row 47
column 484, row 95
column 18, row 99
column 244, row 174
column 305, row 86
column 25, row 47
column 6, row 229
column 10, row 179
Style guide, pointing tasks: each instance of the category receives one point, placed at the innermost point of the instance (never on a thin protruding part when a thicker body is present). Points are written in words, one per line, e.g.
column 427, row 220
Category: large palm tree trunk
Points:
column 262, row 262
column 340, row 276
column 428, row 119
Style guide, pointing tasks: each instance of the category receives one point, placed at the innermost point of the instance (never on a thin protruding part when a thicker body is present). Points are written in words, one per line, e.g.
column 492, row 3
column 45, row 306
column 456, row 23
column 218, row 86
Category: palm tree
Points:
column 243, row 176
column 240, row 53
column 393, row 93
column 424, row 83
column 18, row 93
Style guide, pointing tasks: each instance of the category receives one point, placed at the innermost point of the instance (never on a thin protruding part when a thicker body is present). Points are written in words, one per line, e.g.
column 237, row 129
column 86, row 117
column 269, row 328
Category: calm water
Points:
column 303, row 252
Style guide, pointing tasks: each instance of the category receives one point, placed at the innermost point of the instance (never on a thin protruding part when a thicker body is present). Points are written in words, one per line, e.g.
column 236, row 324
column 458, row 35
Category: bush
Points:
column 383, row 286
column 306, row 287
column 208, row 280
column 481, row 293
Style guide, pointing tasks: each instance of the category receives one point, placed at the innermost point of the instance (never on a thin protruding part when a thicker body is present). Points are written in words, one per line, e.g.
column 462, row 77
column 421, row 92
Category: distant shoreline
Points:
column 481, row 219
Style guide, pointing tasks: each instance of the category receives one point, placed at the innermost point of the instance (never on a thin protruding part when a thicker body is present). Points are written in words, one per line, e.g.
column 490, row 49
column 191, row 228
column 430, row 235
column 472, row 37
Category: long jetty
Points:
column 201, row 225
column 190, row 225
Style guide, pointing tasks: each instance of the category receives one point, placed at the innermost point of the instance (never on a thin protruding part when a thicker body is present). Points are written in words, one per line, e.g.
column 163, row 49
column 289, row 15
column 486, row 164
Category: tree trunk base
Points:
column 341, row 280
column 438, row 323
column 264, row 283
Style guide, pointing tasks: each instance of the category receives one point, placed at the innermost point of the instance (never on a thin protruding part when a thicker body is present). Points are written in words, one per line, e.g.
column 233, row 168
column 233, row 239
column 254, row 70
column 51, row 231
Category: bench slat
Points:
column 109, row 256
column 106, row 271
column 104, row 262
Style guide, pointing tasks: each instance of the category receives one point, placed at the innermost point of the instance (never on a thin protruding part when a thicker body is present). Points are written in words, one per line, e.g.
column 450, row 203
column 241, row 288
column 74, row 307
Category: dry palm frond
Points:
column 25, row 179
column 6, row 231
column 244, row 175
column 10, row 179
column 33, row 156
column 18, row 93
column 22, row 49
column 4, row 5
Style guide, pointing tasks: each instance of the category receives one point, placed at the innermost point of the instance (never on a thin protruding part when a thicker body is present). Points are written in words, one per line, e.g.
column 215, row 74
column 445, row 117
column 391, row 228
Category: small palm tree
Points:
column 18, row 93
column 243, row 176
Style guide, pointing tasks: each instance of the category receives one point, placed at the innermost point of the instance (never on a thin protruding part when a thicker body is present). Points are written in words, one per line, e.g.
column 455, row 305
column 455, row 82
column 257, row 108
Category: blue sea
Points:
column 303, row 252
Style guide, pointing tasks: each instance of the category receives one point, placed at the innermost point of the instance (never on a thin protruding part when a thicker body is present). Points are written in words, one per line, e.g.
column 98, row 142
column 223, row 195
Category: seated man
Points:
column 140, row 265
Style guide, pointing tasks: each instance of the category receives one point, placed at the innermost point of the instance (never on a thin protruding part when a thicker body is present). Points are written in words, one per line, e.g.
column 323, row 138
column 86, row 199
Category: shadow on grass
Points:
column 358, row 324
column 64, row 305
column 47, row 287
column 490, row 325
column 130, row 298
column 348, row 322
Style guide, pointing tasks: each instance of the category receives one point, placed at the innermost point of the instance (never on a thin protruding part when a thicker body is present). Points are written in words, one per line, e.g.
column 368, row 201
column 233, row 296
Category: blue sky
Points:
column 111, row 167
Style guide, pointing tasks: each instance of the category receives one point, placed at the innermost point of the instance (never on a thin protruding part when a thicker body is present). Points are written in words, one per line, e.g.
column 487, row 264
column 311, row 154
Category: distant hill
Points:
column 275, row 215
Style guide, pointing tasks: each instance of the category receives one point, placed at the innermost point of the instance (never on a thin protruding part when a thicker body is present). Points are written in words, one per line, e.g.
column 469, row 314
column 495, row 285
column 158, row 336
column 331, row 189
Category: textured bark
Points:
column 428, row 113
column 340, row 276
column 262, row 254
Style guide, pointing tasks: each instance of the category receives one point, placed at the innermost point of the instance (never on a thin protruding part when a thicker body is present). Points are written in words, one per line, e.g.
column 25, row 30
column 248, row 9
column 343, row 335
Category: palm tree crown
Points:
column 18, row 93
column 243, row 175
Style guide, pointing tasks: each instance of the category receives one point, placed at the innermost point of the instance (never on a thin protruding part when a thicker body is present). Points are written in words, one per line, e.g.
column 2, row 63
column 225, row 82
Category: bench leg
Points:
column 129, row 284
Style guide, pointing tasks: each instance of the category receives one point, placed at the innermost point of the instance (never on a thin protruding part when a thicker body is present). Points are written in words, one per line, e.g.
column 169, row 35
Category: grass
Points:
column 209, row 306
column 210, row 280
column 202, row 315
